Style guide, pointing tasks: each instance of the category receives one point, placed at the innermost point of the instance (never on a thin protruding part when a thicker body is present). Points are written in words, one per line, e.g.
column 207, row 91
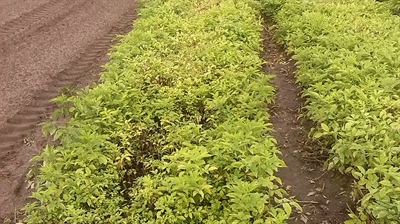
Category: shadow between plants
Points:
column 324, row 196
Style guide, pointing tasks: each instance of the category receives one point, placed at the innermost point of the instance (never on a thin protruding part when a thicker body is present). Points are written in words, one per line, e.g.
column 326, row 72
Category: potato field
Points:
column 178, row 128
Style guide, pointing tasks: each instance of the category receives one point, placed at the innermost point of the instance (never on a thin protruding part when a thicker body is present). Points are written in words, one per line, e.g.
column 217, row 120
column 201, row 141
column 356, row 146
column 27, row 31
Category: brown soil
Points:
column 46, row 47
column 324, row 196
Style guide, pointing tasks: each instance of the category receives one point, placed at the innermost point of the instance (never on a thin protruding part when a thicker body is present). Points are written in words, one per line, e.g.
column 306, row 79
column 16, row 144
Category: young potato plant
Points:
column 175, row 133
column 348, row 58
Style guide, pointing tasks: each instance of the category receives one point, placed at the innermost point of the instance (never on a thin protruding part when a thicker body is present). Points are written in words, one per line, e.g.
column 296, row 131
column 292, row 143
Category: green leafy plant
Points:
column 176, row 131
column 348, row 58
column 394, row 6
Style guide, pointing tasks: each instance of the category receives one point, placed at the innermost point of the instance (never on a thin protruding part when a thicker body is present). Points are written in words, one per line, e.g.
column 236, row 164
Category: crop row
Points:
column 348, row 58
column 175, row 133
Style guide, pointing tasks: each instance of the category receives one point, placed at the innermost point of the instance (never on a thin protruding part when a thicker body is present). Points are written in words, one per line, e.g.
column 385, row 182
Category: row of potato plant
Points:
column 348, row 58
column 177, row 130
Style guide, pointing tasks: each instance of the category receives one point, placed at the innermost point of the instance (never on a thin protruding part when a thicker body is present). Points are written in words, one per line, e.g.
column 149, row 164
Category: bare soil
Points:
column 46, row 47
column 324, row 196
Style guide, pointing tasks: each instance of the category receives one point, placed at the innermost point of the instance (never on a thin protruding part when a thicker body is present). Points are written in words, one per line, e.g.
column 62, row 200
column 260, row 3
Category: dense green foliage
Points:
column 348, row 57
column 175, row 133
column 394, row 6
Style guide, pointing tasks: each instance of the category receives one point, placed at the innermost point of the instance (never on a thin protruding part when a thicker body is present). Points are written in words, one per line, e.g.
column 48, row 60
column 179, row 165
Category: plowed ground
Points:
column 46, row 47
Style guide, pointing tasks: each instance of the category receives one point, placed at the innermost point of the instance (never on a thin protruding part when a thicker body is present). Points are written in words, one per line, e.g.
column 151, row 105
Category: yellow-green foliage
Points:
column 176, row 132
column 348, row 57
column 394, row 6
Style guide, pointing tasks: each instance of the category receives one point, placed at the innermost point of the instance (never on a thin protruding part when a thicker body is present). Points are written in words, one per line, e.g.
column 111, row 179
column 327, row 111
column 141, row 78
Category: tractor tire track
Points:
column 26, row 25
column 18, row 132
column 26, row 20
column 19, row 125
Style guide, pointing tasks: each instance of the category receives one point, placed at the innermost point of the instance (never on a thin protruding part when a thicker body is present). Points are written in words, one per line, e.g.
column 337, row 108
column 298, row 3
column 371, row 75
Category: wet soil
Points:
column 324, row 196
column 46, row 47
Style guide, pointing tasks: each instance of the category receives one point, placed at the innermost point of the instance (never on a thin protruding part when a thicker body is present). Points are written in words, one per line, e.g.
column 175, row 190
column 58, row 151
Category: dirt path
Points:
column 11, row 9
column 324, row 196
column 44, row 47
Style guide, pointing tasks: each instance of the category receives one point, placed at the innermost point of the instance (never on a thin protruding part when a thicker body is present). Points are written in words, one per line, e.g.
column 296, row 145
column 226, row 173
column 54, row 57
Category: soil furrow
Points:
column 324, row 196
column 31, row 110
column 20, row 135
column 80, row 66
column 21, row 28
column 24, row 21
